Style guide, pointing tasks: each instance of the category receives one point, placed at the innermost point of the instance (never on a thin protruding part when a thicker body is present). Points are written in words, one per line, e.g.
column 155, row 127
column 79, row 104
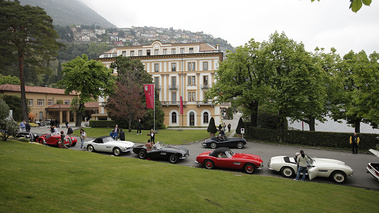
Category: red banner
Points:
column 149, row 94
column 181, row 105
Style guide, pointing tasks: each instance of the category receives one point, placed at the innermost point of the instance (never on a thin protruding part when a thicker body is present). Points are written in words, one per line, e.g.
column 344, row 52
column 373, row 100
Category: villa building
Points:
column 177, row 70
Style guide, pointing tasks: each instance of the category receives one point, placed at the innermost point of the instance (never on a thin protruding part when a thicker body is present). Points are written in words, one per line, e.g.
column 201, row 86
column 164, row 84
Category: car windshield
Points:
column 229, row 153
column 107, row 139
column 311, row 161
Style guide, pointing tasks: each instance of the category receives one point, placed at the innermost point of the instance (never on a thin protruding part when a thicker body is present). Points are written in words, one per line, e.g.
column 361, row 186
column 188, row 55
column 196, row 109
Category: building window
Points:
column 191, row 81
column 50, row 102
column 181, row 50
column 173, row 67
column 191, row 66
column 147, row 52
column 173, row 51
column 205, row 66
column 191, row 96
column 156, row 67
column 156, row 82
column 205, row 117
column 66, row 101
column 30, row 102
column 173, row 97
column 132, row 53
column 192, row 119
column 123, row 53
column 173, row 118
column 191, row 50
column 156, row 52
column 173, row 82
column 40, row 102
column 139, row 52
column 164, row 51
column 205, row 81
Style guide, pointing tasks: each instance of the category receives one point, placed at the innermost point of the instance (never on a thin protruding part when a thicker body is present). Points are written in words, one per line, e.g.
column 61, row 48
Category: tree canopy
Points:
column 89, row 79
column 27, row 35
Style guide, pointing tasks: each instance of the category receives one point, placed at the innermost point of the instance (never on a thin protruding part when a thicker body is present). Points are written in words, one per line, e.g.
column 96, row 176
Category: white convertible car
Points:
column 319, row 167
column 108, row 144
column 373, row 168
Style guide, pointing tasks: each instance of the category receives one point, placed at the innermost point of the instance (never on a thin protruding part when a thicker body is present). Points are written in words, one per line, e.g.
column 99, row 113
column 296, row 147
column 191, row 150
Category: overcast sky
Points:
column 328, row 23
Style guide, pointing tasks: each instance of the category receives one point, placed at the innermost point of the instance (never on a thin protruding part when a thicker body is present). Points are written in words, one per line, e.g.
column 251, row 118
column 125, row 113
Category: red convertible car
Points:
column 53, row 139
column 223, row 157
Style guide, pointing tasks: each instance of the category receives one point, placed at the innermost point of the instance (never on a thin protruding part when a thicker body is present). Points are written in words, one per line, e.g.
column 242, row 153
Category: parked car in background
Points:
column 373, row 168
column 215, row 142
column 223, row 157
column 162, row 151
column 53, row 139
column 108, row 144
column 336, row 170
column 29, row 135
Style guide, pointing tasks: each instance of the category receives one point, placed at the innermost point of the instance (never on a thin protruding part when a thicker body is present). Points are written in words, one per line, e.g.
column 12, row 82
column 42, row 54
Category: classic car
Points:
column 108, row 144
column 29, row 135
column 373, row 168
column 336, row 170
column 53, row 139
column 162, row 151
column 223, row 157
column 215, row 142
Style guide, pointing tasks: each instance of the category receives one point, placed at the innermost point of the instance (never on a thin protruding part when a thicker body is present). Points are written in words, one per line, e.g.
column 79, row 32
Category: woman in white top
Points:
column 83, row 136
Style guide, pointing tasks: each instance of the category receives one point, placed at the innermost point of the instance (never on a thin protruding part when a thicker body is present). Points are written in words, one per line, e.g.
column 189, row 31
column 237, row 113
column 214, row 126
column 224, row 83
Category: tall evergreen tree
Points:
column 26, row 33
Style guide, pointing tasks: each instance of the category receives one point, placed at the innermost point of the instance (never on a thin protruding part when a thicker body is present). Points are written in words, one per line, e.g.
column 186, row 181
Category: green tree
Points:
column 14, row 103
column 356, row 5
column 8, row 126
column 239, row 126
column 89, row 79
column 27, row 33
column 127, row 102
column 212, row 127
column 9, row 80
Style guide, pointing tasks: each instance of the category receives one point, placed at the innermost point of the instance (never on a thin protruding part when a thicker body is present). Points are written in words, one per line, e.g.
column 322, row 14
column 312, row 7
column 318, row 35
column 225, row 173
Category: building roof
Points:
column 31, row 89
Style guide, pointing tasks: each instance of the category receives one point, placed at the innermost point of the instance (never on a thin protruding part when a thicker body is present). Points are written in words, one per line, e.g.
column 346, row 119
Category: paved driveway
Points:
column 266, row 151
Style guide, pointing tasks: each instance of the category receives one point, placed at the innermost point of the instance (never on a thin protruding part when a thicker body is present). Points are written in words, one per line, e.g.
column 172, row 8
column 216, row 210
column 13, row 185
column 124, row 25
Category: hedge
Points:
column 325, row 139
column 102, row 123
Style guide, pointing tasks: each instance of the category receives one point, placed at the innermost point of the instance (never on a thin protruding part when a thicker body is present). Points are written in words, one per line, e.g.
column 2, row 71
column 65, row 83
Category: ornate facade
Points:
column 177, row 70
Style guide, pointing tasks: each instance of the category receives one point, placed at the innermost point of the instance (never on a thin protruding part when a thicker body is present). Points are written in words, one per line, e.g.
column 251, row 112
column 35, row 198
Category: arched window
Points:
column 192, row 119
column 205, row 117
column 173, row 117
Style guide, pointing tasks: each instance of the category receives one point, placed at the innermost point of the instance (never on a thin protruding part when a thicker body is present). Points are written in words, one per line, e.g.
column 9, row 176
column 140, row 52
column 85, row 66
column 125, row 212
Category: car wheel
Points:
column 249, row 168
column 240, row 145
column 74, row 144
column 208, row 164
column 173, row 158
column 213, row 145
column 142, row 154
column 117, row 151
column 338, row 176
column 287, row 172
column 90, row 148
column 40, row 141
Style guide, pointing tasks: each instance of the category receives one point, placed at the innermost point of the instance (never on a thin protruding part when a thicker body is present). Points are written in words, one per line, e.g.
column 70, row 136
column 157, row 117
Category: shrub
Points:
column 211, row 126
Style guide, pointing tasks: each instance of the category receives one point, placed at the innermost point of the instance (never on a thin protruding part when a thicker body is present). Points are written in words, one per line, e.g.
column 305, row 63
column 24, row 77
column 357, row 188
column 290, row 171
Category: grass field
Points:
column 168, row 136
column 36, row 178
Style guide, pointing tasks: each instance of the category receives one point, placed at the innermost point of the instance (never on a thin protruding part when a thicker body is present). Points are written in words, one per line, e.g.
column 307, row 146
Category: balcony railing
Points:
column 173, row 87
column 205, row 86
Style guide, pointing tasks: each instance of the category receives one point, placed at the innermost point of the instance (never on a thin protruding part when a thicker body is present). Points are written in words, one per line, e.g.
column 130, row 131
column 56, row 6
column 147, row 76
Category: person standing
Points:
column 27, row 127
column 117, row 131
column 354, row 141
column 122, row 135
column 62, row 140
column 22, row 126
column 229, row 127
column 152, row 136
column 302, row 162
column 69, row 133
column 113, row 134
column 139, row 126
column 83, row 136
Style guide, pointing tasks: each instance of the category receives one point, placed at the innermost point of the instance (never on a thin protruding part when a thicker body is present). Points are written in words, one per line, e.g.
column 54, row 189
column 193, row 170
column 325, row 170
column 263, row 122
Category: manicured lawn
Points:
column 168, row 136
column 36, row 178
